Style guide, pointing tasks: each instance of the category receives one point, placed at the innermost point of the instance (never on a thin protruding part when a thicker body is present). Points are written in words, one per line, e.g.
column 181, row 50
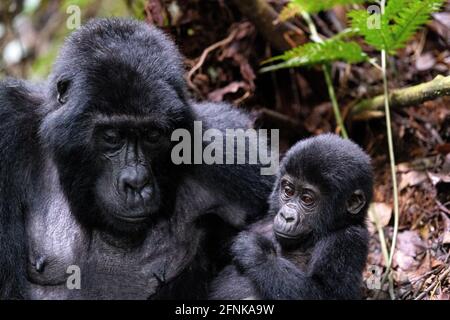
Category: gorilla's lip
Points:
column 285, row 235
column 133, row 219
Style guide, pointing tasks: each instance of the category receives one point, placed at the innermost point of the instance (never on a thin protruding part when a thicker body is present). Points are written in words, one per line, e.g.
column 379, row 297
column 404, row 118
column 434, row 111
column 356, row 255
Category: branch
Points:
column 438, row 87
column 282, row 35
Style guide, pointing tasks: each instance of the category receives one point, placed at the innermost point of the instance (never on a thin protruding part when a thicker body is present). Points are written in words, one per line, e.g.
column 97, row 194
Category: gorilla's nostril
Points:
column 289, row 219
column 135, row 187
column 287, row 216
column 135, row 184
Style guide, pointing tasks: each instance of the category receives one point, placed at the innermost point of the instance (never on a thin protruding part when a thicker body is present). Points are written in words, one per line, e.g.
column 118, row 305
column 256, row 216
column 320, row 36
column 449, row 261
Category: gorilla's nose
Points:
column 288, row 214
column 134, row 179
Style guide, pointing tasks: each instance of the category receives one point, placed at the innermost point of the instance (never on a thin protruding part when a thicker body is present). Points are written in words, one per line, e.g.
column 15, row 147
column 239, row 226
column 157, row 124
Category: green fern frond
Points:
column 408, row 20
column 401, row 20
column 318, row 53
column 312, row 6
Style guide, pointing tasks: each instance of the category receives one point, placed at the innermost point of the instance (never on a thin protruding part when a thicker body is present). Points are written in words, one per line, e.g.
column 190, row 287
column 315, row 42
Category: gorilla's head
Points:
column 115, row 96
column 324, row 184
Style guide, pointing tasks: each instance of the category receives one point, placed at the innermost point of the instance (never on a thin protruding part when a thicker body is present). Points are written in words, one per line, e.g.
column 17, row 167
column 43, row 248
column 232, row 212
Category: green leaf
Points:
column 313, row 6
column 400, row 22
column 318, row 53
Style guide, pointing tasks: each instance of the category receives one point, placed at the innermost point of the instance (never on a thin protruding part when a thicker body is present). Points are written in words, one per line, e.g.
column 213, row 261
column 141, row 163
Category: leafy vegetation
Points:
column 319, row 53
column 397, row 25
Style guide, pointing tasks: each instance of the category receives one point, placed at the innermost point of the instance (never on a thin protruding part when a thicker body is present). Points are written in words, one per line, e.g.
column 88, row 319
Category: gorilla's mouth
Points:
column 288, row 236
column 133, row 219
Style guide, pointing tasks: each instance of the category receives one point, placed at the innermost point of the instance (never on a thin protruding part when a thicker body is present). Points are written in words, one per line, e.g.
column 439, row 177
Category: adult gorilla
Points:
column 86, row 176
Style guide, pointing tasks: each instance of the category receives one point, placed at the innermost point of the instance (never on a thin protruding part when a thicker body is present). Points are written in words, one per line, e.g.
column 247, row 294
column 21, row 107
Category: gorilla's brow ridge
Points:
column 131, row 120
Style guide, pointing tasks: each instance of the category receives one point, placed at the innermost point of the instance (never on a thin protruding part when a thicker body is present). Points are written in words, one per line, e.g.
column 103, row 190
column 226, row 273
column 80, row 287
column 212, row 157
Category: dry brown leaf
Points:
column 412, row 178
column 425, row 62
column 443, row 17
column 446, row 236
column 424, row 267
column 438, row 178
column 381, row 212
column 409, row 245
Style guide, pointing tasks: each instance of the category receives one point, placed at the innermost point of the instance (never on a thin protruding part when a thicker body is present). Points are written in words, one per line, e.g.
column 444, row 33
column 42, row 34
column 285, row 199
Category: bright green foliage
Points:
column 318, row 53
column 312, row 6
column 393, row 29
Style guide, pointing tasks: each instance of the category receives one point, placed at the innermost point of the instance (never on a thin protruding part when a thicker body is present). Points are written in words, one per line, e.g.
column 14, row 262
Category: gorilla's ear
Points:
column 356, row 202
column 62, row 87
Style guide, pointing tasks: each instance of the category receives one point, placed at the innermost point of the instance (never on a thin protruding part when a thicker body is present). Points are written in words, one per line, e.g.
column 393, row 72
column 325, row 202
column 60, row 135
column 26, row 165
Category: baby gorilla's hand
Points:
column 251, row 249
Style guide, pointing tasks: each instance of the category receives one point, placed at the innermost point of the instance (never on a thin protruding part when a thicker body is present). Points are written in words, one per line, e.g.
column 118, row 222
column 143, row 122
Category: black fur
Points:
column 326, row 254
column 57, row 198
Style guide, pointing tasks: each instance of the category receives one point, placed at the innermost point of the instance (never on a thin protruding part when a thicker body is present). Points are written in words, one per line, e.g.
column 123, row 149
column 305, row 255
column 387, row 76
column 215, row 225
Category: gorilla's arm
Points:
column 334, row 271
column 18, row 127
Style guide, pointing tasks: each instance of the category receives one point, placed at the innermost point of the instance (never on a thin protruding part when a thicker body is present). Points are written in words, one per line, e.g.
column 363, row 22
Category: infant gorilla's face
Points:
column 299, row 204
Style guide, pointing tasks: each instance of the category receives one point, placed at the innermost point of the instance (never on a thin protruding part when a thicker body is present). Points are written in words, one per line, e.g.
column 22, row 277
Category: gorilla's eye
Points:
column 288, row 189
column 62, row 87
column 307, row 199
column 111, row 137
column 152, row 135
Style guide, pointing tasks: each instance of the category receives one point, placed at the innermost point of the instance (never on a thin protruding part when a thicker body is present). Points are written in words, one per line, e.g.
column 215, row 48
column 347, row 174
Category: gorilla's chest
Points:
column 55, row 242
column 63, row 256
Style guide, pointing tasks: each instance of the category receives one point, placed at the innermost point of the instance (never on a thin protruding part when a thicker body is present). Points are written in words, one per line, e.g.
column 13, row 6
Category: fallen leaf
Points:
column 412, row 178
column 409, row 246
column 425, row 62
column 446, row 236
column 443, row 17
column 424, row 267
column 381, row 212
column 437, row 178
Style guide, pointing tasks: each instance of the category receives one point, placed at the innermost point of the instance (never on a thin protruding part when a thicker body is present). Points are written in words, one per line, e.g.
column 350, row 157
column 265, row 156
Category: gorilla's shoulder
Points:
column 222, row 116
column 19, row 119
column 19, row 99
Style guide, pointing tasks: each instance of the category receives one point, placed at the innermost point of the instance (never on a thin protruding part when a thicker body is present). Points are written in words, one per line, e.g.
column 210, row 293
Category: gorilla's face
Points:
column 128, row 151
column 299, row 204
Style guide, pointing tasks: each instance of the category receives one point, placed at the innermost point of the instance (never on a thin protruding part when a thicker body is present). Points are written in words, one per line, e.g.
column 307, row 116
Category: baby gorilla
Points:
column 315, row 244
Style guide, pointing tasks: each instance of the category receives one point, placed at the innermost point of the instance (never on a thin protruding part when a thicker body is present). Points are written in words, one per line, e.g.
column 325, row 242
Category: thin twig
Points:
column 440, row 279
column 327, row 72
column 374, row 216
column 391, row 158
column 337, row 113
column 204, row 55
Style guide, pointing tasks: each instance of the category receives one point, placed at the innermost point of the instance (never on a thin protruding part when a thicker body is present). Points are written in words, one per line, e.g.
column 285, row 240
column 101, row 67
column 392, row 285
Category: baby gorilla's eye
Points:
column 288, row 189
column 307, row 199
column 152, row 135
column 111, row 137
